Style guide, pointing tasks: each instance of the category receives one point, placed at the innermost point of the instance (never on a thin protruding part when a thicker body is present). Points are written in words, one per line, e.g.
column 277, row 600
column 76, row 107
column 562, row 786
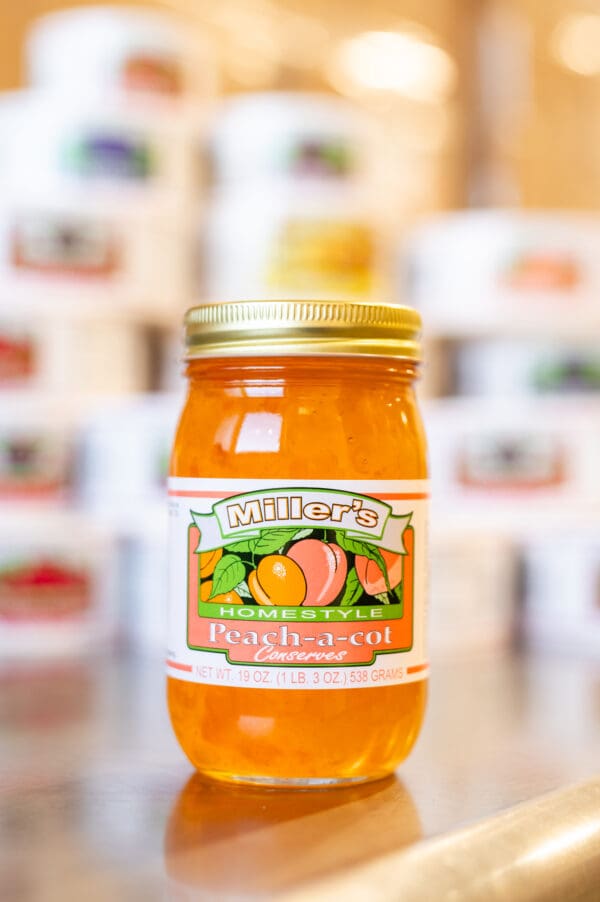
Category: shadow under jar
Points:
column 298, row 493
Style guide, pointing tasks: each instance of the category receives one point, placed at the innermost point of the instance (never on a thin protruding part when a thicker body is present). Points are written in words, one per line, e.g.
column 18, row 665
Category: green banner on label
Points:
column 297, row 614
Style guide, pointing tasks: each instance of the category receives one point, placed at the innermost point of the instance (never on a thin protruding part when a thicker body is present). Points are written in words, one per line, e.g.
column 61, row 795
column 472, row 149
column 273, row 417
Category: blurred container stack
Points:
column 510, row 300
column 118, row 213
column 101, row 178
column 127, row 194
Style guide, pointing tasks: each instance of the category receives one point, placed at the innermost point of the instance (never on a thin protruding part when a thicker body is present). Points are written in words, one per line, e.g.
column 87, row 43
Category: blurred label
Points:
column 506, row 462
column 317, row 157
column 322, row 256
column 158, row 74
column 63, row 247
column 17, row 359
column 542, row 271
column 36, row 588
column 567, row 374
column 32, row 465
column 101, row 155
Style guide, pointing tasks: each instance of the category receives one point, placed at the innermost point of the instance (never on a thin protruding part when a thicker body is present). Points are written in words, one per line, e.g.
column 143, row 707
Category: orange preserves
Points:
column 298, row 492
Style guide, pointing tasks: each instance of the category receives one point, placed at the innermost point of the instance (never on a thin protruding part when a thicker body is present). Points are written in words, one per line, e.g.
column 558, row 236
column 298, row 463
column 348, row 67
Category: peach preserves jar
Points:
column 298, row 495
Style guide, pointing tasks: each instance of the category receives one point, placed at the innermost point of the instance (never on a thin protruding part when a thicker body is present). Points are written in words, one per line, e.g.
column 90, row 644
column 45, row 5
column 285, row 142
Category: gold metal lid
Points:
column 302, row 328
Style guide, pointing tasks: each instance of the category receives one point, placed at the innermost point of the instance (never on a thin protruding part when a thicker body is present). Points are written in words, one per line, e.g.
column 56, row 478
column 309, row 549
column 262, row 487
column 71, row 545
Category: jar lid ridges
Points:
column 302, row 327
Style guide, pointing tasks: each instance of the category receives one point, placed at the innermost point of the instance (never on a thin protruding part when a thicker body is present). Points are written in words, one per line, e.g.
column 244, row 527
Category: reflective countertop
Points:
column 97, row 802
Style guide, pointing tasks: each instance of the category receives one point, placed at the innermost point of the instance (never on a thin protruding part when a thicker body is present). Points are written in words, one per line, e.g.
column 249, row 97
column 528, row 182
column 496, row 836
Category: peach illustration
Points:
column 277, row 580
column 371, row 575
column 324, row 567
column 209, row 560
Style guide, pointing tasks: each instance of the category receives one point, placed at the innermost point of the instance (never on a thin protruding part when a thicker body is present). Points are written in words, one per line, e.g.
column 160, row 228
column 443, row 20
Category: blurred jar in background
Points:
column 562, row 590
column 273, row 136
column 524, row 367
column 139, row 52
column 107, row 150
column 42, row 353
column 37, row 446
column 124, row 457
column 293, row 211
column 540, row 450
column 57, row 585
column 501, row 269
column 123, row 462
column 66, row 256
column 143, row 581
column 320, row 241
column 473, row 586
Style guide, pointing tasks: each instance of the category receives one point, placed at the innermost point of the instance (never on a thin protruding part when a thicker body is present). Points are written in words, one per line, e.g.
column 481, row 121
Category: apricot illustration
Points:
column 324, row 567
column 277, row 580
column 205, row 590
column 227, row 598
column 209, row 560
column 371, row 576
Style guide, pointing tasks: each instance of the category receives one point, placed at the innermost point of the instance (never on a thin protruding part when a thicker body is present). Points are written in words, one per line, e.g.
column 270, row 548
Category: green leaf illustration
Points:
column 272, row 539
column 353, row 590
column 303, row 534
column 383, row 598
column 269, row 540
column 240, row 547
column 229, row 572
column 363, row 548
column 242, row 589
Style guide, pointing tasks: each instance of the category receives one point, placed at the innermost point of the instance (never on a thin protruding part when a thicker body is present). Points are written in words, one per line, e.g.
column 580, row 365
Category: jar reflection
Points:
column 225, row 841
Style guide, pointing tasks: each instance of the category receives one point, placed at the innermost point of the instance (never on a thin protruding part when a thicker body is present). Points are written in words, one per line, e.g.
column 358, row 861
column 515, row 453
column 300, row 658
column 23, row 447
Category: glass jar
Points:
column 298, row 539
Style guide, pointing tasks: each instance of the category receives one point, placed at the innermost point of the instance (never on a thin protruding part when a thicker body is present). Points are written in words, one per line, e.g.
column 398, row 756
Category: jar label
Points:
column 101, row 154
column 319, row 158
column 18, row 358
column 542, row 270
column 56, row 245
column 324, row 255
column 42, row 587
column 150, row 72
column 297, row 585
column 33, row 464
column 512, row 460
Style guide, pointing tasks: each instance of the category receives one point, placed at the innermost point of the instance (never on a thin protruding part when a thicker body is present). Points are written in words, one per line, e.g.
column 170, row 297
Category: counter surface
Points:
column 97, row 802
